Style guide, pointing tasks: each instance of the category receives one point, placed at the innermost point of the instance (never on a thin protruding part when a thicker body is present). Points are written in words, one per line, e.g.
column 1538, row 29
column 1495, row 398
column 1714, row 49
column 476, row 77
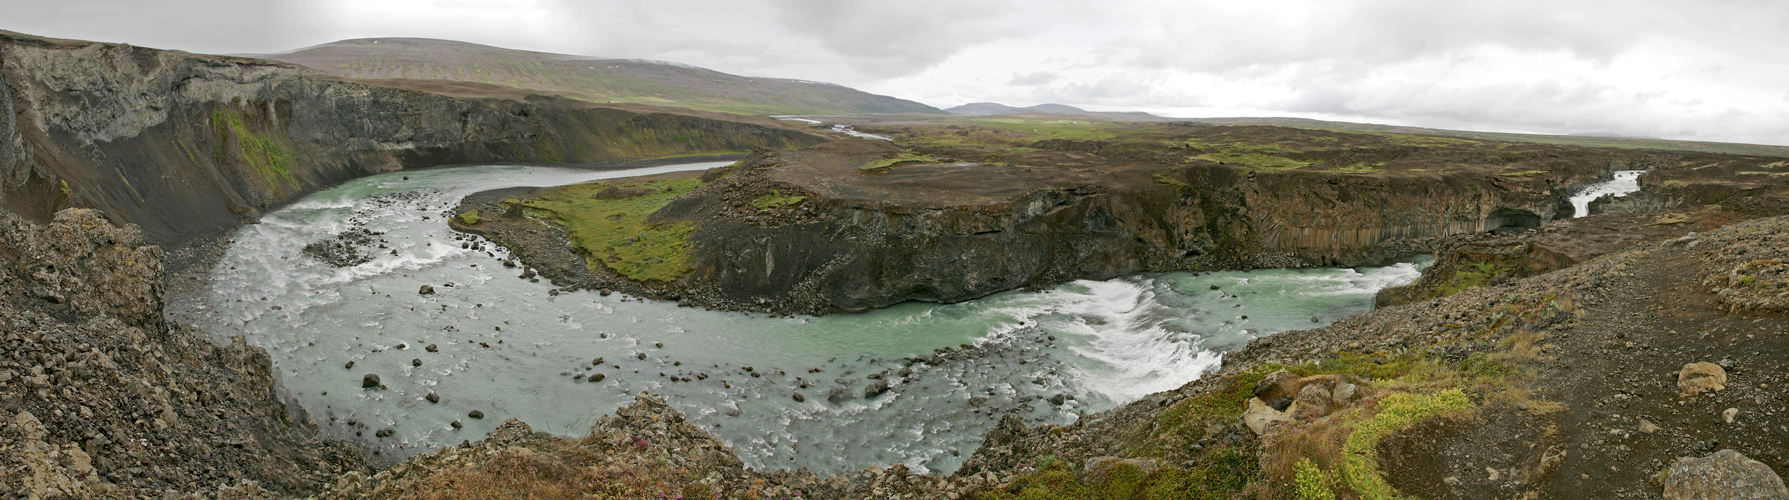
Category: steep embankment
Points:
column 595, row 79
column 102, row 397
column 189, row 145
column 855, row 225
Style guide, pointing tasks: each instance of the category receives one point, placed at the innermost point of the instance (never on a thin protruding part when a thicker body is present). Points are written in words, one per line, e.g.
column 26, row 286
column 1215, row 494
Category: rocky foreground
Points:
column 100, row 397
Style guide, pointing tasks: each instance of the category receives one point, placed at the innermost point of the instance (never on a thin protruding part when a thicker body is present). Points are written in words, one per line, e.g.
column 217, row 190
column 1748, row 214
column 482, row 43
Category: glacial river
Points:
column 509, row 348
column 1624, row 182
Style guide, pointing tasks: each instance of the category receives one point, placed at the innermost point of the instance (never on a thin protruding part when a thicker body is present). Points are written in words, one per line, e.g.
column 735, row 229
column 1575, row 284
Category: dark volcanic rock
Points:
column 875, row 389
column 369, row 381
column 101, row 397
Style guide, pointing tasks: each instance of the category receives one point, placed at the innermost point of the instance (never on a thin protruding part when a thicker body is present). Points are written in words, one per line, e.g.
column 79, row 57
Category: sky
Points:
column 1712, row 70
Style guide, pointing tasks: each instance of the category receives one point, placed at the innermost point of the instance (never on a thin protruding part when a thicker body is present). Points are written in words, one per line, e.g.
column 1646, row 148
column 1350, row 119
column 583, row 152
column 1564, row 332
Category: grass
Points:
column 607, row 223
column 904, row 158
column 469, row 217
column 776, row 200
column 268, row 159
column 1525, row 173
column 1470, row 275
column 1254, row 161
column 1361, row 168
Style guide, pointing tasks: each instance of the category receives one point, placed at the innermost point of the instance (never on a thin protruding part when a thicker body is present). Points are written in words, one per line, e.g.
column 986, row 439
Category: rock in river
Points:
column 369, row 381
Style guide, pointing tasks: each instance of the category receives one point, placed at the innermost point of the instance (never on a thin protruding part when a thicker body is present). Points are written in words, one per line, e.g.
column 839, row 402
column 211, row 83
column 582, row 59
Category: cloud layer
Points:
column 1707, row 70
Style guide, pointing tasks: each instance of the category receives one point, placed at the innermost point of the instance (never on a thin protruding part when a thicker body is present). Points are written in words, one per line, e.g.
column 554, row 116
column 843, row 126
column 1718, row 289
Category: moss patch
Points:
column 607, row 223
column 1394, row 413
column 904, row 158
column 1255, row 161
column 266, row 157
column 1470, row 275
column 470, row 217
column 776, row 200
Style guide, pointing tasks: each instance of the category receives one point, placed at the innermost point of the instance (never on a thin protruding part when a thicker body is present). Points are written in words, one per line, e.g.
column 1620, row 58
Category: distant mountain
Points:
column 994, row 108
column 589, row 78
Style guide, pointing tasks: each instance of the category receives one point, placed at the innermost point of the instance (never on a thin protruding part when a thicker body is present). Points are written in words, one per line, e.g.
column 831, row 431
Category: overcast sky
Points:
column 1714, row 70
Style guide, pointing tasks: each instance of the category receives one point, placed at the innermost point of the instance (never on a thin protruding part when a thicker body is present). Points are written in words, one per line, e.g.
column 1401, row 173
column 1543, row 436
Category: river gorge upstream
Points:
column 508, row 347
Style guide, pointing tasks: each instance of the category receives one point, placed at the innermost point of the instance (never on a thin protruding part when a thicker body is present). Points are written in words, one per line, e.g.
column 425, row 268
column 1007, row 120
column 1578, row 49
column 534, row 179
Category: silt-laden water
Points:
column 507, row 347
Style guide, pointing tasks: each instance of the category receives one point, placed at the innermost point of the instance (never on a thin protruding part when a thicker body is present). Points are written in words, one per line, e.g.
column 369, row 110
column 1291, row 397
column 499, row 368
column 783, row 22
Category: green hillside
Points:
column 588, row 78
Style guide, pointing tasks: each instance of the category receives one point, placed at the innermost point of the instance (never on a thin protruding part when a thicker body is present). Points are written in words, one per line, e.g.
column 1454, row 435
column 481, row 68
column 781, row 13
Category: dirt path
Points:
column 1615, row 367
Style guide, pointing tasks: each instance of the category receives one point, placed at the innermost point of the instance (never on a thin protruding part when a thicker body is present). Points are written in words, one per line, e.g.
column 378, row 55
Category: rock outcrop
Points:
column 101, row 398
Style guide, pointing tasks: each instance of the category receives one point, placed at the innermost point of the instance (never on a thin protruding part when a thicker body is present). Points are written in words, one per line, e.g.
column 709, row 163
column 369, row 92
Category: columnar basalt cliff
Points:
column 189, row 145
column 809, row 231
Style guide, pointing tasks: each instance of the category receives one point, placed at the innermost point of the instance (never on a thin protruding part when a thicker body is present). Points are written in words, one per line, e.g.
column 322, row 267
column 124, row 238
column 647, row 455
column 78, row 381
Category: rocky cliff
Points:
column 100, row 397
column 812, row 231
column 189, row 145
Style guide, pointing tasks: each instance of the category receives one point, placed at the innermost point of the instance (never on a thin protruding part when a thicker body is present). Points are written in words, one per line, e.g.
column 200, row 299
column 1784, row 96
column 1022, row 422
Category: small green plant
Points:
column 1310, row 482
column 776, row 200
column 65, row 190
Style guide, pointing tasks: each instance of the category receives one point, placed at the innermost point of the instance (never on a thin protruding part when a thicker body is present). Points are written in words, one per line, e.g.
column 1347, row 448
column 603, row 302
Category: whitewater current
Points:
column 489, row 341
column 1625, row 181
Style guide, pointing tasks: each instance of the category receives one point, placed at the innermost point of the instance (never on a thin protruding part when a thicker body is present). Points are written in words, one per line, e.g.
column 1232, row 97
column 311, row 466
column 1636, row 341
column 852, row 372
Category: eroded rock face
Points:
column 82, row 266
column 189, row 145
column 101, row 398
column 1725, row 475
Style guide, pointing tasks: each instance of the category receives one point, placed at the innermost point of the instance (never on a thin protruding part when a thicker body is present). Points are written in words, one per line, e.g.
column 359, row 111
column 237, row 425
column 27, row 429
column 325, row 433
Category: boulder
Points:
column 875, row 389
column 1278, row 385
column 838, row 394
column 1320, row 395
column 369, row 381
column 426, row 290
column 1260, row 417
column 1701, row 377
column 1313, row 401
column 1726, row 474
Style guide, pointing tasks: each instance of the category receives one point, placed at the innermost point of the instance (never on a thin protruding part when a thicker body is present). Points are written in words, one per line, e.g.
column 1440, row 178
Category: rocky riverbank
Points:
column 1575, row 383
column 102, row 397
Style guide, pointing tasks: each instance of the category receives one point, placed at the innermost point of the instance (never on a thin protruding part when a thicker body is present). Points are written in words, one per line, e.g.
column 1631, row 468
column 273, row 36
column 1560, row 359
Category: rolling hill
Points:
column 994, row 108
column 588, row 78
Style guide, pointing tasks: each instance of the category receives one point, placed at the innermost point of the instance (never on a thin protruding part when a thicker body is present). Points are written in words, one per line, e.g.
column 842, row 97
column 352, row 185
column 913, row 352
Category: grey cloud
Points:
column 218, row 26
column 1035, row 78
column 897, row 38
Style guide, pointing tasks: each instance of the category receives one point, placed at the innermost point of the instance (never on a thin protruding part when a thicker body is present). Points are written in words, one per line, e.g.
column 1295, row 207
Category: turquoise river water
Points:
column 510, row 349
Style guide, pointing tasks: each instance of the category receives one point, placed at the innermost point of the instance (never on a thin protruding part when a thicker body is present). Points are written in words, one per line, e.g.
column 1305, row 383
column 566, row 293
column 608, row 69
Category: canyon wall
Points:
column 831, row 254
column 188, row 145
